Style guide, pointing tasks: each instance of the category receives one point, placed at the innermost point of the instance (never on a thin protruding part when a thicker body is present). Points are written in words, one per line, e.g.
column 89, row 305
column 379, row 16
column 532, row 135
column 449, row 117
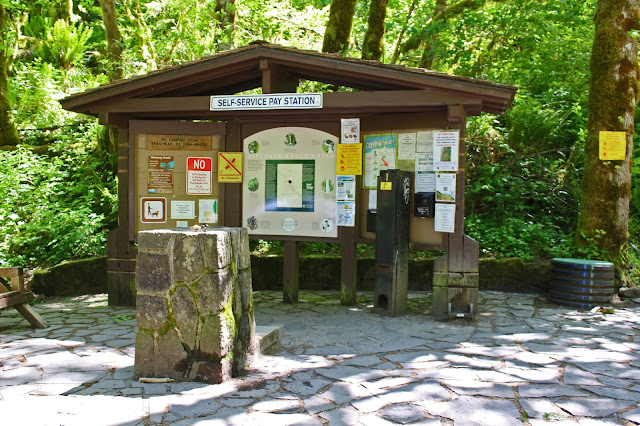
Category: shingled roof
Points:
column 241, row 69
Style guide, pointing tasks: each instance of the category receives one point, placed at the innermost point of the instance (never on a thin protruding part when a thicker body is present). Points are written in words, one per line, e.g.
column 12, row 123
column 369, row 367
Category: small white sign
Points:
column 199, row 175
column 425, row 176
column 272, row 101
column 350, row 130
column 446, row 187
column 445, row 150
column 445, row 217
column 153, row 209
column 208, row 210
column 183, row 209
column 406, row 146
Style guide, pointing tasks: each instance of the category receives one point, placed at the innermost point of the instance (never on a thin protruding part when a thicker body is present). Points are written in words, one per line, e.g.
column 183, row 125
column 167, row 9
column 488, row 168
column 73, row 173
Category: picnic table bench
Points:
column 14, row 294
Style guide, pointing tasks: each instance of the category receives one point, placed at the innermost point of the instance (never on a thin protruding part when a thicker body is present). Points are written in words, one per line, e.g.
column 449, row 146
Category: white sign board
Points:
column 199, row 175
column 289, row 183
column 445, row 217
column 273, row 101
column 445, row 150
column 183, row 209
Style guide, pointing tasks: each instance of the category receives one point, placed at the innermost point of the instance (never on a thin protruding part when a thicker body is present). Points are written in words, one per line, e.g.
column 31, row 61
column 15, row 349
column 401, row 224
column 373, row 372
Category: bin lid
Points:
column 583, row 262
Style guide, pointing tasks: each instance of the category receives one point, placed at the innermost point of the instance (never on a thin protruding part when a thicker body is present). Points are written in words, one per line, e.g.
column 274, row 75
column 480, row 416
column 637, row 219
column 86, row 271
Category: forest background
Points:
column 58, row 189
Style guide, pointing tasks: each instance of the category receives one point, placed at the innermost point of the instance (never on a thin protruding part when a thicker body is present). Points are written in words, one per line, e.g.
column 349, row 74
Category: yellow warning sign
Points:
column 229, row 167
column 613, row 145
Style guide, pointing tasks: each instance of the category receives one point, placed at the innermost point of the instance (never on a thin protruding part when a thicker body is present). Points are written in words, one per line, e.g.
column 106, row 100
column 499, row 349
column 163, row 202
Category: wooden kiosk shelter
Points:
column 168, row 126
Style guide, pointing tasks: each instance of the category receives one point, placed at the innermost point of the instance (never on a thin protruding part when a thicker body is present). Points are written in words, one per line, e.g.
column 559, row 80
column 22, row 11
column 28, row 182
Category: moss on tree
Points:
column 606, row 185
column 338, row 30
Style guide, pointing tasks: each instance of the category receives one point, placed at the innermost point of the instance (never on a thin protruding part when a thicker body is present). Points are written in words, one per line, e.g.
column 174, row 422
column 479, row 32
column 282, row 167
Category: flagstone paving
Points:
column 522, row 362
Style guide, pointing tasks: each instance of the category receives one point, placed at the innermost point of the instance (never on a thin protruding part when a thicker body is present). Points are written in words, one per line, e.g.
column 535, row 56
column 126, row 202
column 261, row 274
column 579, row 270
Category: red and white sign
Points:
column 199, row 175
column 154, row 210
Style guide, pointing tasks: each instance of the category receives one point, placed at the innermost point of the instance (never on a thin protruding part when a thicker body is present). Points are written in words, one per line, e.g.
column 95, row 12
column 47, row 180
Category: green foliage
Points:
column 54, row 208
column 518, row 204
column 63, row 44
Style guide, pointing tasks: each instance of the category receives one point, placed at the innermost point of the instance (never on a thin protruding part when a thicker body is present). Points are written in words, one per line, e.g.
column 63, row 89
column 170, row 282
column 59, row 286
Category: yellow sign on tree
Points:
column 613, row 145
column 229, row 167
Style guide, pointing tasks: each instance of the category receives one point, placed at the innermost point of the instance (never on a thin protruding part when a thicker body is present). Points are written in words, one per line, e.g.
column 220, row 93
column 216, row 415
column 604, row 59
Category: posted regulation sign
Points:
column 229, row 167
column 199, row 175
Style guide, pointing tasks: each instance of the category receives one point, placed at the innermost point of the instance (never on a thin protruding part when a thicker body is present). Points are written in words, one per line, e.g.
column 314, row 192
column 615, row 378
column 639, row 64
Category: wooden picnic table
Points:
column 13, row 293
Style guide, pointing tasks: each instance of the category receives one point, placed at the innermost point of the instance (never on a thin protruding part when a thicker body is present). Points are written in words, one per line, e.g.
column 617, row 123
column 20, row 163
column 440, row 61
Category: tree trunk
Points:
column 226, row 15
column 114, row 39
column 8, row 131
column 373, row 45
column 431, row 48
column 108, row 143
column 613, row 91
column 62, row 9
column 338, row 31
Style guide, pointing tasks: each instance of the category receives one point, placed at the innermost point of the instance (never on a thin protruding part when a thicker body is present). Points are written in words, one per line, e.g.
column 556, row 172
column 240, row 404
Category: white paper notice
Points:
column 346, row 213
column 446, row 187
column 406, row 146
column 445, row 217
column 373, row 199
column 183, row 209
column 208, row 210
column 350, row 130
column 424, row 141
column 445, row 151
column 425, row 176
column 346, row 188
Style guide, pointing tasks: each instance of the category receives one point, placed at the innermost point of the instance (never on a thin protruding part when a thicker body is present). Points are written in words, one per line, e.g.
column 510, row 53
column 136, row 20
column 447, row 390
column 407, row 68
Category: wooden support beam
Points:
column 383, row 99
column 291, row 275
column 277, row 80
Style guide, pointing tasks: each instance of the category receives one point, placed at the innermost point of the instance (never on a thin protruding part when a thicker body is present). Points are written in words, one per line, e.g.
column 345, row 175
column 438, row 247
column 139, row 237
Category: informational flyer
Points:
column 373, row 200
column 160, row 174
column 289, row 182
column 346, row 213
column 425, row 176
column 445, row 150
column 424, row 141
column 183, row 209
column 349, row 161
column 445, row 217
column 379, row 154
column 346, row 188
column 350, row 130
column 446, row 187
column 208, row 210
column 406, row 146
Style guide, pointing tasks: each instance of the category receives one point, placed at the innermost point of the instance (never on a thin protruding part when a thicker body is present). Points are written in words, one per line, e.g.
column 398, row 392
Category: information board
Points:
column 289, row 185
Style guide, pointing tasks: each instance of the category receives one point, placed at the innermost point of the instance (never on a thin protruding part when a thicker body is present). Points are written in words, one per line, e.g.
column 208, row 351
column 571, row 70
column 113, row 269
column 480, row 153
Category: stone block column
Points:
column 194, row 304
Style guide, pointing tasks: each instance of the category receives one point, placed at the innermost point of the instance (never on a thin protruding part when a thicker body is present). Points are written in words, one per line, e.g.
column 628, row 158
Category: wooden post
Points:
column 290, row 276
column 348, row 266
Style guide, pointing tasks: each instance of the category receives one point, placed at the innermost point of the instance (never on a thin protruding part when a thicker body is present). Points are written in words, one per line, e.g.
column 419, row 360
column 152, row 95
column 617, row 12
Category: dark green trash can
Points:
column 581, row 283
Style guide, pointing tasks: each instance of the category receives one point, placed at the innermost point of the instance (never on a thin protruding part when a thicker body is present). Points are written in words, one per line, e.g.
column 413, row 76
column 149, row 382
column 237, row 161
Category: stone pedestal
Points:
column 194, row 304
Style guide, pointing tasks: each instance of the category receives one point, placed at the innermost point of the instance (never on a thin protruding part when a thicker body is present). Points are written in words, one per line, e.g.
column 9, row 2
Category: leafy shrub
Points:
column 54, row 208
column 518, row 203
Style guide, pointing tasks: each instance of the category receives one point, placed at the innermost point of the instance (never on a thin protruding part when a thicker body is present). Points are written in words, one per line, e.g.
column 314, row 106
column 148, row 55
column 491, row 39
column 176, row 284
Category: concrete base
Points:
column 267, row 337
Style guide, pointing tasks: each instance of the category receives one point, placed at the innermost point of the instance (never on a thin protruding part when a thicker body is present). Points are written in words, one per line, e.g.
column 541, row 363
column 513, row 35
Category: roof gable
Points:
column 244, row 68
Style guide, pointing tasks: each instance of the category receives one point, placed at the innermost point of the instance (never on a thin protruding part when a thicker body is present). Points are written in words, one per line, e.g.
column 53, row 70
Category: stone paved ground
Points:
column 523, row 361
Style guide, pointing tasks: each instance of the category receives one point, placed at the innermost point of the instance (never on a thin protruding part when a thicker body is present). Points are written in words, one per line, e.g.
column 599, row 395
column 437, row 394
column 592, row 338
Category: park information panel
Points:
column 290, row 179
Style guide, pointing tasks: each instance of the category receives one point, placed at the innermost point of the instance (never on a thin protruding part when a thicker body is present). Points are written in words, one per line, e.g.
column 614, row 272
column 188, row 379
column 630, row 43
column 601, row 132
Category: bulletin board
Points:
column 176, row 180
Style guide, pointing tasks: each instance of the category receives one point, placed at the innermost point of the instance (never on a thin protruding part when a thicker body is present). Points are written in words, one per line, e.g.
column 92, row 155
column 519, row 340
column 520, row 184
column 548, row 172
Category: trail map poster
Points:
column 379, row 154
column 289, row 185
